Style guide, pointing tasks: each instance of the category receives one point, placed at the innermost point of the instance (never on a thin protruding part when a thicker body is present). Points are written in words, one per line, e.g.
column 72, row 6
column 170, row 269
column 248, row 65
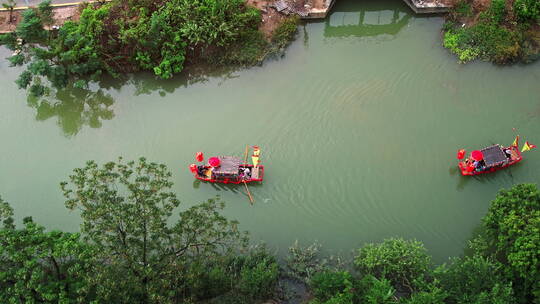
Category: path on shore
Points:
column 36, row 2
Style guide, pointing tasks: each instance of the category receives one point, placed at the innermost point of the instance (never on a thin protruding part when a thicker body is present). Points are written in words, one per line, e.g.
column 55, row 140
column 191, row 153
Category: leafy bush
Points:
column 146, row 36
column 527, row 10
column 285, row 32
column 371, row 290
column 258, row 275
column 513, row 233
column 475, row 280
column 484, row 40
column 494, row 37
column 325, row 285
column 497, row 10
column 463, row 9
column 401, row 262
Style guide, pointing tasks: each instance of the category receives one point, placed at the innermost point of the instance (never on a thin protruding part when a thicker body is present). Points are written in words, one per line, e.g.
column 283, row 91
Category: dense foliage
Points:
column 402, row 262
column 501, row 33
column 502, row 267
column 38, row 266
column 513, row 238
column 126, row 36
column 131, row 249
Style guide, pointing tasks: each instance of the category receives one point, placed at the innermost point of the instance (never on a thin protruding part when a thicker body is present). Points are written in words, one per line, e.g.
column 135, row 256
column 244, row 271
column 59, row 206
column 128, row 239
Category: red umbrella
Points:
column 214, row 161
column 477, row 155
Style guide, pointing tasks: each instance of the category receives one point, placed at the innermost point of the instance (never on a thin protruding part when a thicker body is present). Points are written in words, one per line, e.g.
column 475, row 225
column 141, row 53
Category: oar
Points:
column 249, row 193
column 246, row 154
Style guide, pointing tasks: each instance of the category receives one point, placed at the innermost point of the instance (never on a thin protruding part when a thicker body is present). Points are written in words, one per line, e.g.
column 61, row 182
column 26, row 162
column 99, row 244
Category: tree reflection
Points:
column 74, row 108
column 372, row 18
column 147, row 83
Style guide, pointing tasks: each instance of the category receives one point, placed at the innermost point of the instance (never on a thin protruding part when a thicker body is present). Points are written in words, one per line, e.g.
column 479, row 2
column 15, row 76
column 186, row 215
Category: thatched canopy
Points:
column 494, row 155
column 229, row 166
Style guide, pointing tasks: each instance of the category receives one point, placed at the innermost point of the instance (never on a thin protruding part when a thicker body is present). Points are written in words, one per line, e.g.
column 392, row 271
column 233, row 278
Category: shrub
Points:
column 325, row 285
column 258, row 276
column 463, row 9
column 485, row 40
column 474, row 280
column 371, row 290
column 497, row 10
column 401, row 262
column 527, row 10
column 285, row 32
column 513, row 233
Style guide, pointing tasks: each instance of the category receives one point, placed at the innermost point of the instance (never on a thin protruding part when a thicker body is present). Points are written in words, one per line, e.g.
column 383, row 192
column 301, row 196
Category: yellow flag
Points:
column 527, row 147
column 515, row 143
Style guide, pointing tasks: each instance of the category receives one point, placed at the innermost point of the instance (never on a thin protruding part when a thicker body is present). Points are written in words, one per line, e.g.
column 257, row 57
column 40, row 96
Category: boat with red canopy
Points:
column 490, row 159
column 229, row 169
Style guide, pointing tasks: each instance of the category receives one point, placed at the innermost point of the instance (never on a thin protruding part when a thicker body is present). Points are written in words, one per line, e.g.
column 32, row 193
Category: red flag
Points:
column 199, row 156
column 461, row 153
column 527, row 146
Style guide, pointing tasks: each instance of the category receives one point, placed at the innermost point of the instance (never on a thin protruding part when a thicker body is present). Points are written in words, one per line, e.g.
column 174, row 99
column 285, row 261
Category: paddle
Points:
column 245, row 184
column 246, row 154
column 249, row 193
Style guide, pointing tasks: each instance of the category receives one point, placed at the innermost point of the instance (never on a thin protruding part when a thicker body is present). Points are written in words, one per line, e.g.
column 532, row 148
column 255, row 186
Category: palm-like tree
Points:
column 9, row 5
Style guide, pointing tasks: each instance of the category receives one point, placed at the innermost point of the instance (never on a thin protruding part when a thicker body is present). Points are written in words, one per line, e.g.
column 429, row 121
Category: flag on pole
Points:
column 516, row 141
column 527, row 147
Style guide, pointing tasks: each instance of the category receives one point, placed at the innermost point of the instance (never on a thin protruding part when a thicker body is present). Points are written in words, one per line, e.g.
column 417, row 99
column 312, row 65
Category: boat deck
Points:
column 255, row 173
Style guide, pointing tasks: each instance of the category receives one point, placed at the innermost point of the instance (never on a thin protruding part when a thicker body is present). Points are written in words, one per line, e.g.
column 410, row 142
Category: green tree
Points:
column 126, row 211
column 475, row 280
column 404, row 263
column 10, row 6
column 42, row 267
column 512, row 227
column 527, row 10
column 46, row 12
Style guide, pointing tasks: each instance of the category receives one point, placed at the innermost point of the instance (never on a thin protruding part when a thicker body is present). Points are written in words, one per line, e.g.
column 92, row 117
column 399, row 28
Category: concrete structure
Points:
column 418, row 6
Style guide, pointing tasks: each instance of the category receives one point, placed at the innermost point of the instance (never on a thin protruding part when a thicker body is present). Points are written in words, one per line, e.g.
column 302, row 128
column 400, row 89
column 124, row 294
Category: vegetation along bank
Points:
column 125, row 36
column 135, row 247
column 500, row 31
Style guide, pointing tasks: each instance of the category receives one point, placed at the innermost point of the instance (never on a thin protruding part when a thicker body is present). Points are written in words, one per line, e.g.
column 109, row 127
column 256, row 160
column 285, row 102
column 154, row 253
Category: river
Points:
column 358, row 123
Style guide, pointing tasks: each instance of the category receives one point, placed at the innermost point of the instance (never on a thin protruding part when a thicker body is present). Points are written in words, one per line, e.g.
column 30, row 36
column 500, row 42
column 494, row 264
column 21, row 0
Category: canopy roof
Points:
column 494, row 155
column 229, row 166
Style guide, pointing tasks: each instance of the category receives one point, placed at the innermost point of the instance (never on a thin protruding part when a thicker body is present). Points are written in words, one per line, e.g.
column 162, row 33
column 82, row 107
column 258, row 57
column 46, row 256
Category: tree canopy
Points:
column 126, row 211
column 127, row 36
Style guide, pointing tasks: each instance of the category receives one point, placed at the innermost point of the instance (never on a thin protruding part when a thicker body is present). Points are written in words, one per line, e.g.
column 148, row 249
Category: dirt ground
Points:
column 61, row 15
column 270, row 17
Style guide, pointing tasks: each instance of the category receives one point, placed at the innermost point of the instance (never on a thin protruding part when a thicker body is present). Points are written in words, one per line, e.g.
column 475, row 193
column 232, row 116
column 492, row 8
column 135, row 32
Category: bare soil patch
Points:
column 61, row 16
column 271, row 18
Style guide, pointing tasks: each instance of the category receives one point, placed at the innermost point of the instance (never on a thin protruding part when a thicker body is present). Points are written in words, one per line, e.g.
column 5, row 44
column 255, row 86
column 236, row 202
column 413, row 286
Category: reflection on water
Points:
column 147, row 83
column 366, row 18
column 74, row 108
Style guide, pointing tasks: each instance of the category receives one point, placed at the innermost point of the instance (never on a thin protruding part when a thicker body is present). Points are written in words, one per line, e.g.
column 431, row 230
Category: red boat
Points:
column 229, row 169
column 489, row 159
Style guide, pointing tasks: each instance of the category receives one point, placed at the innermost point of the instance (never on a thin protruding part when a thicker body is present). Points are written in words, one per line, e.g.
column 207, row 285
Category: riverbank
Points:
column 500, row 31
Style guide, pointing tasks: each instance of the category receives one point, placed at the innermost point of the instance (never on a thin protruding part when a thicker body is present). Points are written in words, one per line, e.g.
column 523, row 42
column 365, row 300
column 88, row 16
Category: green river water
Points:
column 358, row 124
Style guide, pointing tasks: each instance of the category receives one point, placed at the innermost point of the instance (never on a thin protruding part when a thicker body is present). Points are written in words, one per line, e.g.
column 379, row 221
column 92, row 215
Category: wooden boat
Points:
column 495, row 158
column 230, row 171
